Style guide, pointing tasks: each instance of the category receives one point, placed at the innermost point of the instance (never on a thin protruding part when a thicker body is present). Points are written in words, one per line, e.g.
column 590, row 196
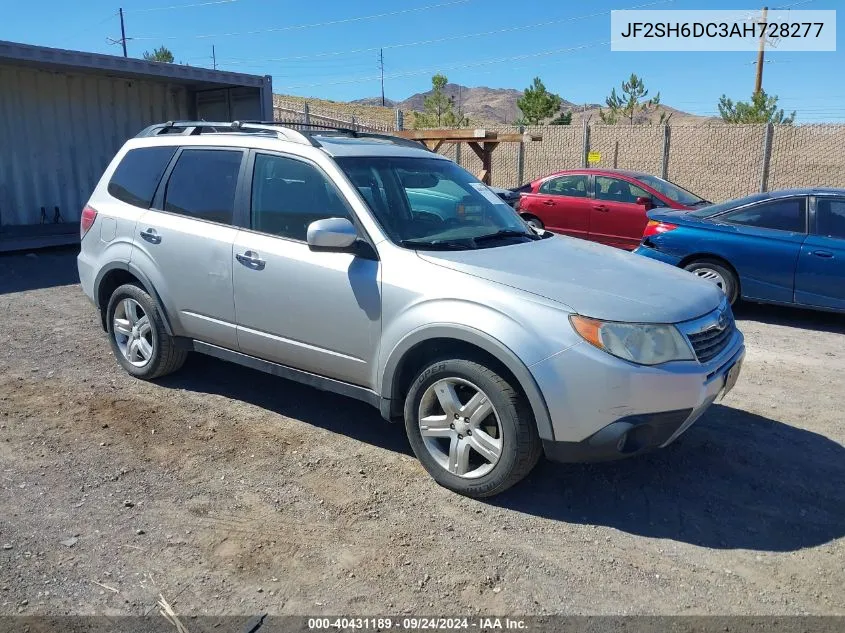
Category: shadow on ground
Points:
column 45, row 268
column 734, row 480
column 791, row 317
column 329, row 411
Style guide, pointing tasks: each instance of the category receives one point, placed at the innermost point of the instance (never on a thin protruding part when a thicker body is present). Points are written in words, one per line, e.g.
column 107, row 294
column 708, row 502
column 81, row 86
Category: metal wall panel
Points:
column 58, row 132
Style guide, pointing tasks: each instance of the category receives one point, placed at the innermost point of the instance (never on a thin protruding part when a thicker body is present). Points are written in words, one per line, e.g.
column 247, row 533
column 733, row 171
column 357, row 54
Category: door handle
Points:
column 601, row 207
column 825, row 254
column 151, row 235
column 549, row 203
column 250, row 259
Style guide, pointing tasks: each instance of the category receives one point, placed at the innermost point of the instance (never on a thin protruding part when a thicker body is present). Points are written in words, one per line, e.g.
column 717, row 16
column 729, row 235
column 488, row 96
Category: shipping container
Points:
column 64, row 114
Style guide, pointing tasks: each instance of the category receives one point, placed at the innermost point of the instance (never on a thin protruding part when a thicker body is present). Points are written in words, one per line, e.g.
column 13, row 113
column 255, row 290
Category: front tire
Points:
column 138, row 337
column 534, row 221
column 470, row 428
column 718, row 273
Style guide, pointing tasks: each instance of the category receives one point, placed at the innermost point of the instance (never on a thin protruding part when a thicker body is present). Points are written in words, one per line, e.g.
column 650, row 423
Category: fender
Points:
column 487, row 343
column 145, row 282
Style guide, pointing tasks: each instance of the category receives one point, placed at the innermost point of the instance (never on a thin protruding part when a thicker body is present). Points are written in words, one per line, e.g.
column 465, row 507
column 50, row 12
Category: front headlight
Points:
column 641, row 343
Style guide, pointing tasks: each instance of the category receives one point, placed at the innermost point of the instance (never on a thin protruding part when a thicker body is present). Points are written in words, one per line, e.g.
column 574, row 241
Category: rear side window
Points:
column 138, row 174
column 781, row 215
column 202, row 184
column 830, row 218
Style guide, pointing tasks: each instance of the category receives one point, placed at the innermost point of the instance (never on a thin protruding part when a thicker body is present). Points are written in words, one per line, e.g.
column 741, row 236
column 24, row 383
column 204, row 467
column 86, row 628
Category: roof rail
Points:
column 318, row 129
column 192, row 128
column 285, row 131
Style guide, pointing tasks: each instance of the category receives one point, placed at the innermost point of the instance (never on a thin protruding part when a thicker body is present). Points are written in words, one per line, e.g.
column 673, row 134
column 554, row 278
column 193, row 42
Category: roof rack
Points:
column 318, row 129
column 285, row 131
column 192, row 128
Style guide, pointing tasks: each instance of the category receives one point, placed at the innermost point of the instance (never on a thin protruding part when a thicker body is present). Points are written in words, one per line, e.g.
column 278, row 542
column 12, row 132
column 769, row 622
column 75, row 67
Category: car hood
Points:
column 588, row 278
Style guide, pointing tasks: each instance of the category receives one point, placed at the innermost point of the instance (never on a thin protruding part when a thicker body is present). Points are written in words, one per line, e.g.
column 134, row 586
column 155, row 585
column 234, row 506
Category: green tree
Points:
column 537, row 104
column 633, row 102
column 762, row 108
column 160, row 54
column 564, row 118
column 439, row 107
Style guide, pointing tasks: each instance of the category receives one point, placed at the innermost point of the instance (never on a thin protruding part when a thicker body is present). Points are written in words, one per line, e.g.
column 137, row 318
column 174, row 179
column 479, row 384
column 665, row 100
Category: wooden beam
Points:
column 457, row 136
column 475, row 147
column 434, row 145
column 487, row 163
column 446, row 135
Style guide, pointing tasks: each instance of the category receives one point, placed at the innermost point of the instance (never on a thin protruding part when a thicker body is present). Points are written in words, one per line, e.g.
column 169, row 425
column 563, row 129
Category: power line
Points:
column 448, row 38
column 485, row 62
column 183, row 6
column 310, row 26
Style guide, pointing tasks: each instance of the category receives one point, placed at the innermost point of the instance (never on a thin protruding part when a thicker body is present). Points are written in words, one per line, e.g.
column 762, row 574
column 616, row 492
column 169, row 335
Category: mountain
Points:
column 482, row 104
column 375, row 101
column 497, row 106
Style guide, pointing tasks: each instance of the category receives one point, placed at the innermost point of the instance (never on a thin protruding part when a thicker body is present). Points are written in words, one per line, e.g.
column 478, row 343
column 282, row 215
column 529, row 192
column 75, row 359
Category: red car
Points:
column 602, row 205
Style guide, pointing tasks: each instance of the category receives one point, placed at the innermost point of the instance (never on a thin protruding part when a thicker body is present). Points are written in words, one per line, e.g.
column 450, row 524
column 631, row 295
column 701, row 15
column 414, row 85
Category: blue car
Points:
column 785, row 247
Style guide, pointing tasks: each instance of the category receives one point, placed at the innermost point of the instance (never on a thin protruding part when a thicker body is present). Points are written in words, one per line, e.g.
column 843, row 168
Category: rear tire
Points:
column 718, row 273
column 534, row 221
column 138, row 337
column 470, row 428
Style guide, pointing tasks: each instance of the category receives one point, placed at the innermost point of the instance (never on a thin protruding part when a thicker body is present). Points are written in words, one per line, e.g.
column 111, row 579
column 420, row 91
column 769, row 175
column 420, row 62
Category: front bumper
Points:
column 604, row 408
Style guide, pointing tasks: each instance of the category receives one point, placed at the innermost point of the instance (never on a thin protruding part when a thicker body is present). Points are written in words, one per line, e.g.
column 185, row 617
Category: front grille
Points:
column 711, row 341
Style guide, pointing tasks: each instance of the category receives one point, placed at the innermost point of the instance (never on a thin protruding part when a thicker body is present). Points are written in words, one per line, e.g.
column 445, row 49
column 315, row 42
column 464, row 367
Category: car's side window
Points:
column 781, row 215
column 289, row 194
column 574, row 186
column 617, row 190
column 202, row 184
column 830, row 217
column 138, row 174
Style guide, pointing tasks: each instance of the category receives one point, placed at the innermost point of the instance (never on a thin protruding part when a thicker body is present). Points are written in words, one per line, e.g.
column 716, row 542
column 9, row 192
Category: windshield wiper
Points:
column 505, row 233
column 438, row 245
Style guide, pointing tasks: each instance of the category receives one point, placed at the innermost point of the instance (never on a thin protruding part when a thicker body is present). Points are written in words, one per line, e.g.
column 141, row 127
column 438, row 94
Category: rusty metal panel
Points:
column 58, row 132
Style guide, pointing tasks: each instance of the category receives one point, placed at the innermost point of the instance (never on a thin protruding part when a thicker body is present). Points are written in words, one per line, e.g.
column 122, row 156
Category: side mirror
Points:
column 331, row 234
column 646, row 202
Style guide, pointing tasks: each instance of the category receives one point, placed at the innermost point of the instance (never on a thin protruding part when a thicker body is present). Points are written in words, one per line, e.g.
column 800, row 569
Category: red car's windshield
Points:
column 673, row 191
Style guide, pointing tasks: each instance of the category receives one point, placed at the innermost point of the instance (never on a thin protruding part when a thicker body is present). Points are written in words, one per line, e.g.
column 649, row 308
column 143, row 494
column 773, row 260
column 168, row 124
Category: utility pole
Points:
column 122, row 31
column 213, row 57
column 381, row 66
column 761, row 52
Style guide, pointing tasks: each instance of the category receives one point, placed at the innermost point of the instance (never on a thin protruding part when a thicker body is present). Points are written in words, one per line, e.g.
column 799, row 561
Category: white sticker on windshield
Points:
column 485, row 191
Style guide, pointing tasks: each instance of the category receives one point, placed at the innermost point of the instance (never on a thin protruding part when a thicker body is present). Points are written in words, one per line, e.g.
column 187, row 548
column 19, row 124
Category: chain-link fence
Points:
column 718, row 162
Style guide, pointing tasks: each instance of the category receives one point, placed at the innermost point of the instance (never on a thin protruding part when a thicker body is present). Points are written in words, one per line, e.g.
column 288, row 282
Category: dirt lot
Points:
column 232, row 492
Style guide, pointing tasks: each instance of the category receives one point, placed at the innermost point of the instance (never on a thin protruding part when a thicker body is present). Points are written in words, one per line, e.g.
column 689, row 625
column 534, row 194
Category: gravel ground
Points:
column 231, row 492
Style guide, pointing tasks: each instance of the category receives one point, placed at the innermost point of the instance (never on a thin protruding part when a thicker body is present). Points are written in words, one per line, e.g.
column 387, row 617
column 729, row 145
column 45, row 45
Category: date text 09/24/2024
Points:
column 415, row 624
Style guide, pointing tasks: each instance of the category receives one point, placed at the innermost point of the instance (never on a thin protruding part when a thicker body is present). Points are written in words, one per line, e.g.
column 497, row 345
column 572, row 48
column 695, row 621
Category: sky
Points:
column 330, row 50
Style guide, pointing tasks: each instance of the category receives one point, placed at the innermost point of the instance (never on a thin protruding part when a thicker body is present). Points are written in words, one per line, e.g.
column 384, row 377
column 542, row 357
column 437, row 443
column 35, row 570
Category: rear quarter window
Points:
column 138, row 174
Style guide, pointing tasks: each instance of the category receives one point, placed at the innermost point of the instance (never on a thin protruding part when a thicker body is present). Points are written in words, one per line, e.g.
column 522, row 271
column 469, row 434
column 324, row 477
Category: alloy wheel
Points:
column 133, row 332
column 460, row 427
column 712, row 276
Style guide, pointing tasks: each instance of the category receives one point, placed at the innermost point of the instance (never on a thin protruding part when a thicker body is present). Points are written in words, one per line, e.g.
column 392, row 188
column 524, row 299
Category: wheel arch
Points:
column 116, row 274
column 423, row 345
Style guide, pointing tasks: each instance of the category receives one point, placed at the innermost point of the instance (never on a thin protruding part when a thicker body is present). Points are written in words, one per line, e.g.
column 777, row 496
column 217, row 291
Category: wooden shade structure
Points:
column 482, row 142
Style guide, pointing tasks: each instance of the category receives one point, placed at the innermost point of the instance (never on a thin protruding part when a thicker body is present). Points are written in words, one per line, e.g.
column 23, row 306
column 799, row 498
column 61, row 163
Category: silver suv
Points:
column 371, row 267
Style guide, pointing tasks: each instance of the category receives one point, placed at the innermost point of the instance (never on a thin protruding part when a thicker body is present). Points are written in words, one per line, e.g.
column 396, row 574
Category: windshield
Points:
column 433, row 203
column 672, row 191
